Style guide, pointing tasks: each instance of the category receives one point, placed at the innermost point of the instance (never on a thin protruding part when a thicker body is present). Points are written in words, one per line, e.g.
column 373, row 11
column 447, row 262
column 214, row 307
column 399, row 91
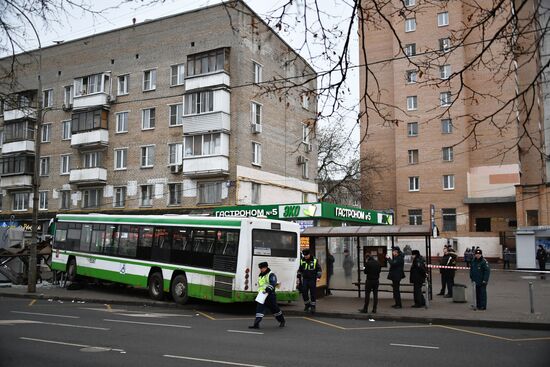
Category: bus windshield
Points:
column 274, row 243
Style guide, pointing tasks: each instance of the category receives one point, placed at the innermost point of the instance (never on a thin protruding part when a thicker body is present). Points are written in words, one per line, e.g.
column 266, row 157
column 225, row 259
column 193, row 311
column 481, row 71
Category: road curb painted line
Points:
column 413, row 346
column 148, row 323
column 107, row 349
column 212, row 361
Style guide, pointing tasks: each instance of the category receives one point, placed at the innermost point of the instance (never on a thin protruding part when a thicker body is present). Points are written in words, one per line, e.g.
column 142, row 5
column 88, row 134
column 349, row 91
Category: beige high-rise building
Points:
column 441, row 159
column 167, row 115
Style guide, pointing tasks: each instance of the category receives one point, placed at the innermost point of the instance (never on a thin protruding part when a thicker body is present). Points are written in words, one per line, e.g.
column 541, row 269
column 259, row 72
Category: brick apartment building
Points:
column 162, row 116
column 432, row 163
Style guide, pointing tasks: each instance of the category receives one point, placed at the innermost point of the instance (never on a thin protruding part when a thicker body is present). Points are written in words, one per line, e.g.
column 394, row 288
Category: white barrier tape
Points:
column 448, row 267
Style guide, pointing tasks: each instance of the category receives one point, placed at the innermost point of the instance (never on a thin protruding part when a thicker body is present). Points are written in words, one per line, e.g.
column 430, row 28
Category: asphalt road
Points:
column 53, row 333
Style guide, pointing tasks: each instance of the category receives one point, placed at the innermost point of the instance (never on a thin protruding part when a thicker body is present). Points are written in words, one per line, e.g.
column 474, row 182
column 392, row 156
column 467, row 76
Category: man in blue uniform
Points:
column 267, row 281
column 308, row 272
column 479, row 274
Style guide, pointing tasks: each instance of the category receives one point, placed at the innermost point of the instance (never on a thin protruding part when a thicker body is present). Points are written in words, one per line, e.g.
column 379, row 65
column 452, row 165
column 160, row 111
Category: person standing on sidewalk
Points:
column 542, row 255
column 347, row 264
column 418, row 277
column 309, row 272
column 468, row 257
column 506, row 257
column 372, row 270
column 267, row 281
column 479, row 274
column 330, row 272
column 396, row 273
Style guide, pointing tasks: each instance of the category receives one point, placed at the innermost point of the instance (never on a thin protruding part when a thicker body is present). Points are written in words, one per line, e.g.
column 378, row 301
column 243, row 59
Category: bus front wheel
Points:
column 71, row 270
column 179, row 289
column 155, row 287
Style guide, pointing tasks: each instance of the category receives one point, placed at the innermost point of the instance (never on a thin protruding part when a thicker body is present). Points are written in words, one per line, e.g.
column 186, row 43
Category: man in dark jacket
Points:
column 418, row 277
column 542, row 255
column 396, row 273
column 330, row 272
column 479, row 274
column 309, row 272
column 372, row 270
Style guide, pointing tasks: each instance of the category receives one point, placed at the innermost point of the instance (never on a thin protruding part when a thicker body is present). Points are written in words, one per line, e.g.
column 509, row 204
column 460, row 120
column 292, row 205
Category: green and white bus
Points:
column 187, row 256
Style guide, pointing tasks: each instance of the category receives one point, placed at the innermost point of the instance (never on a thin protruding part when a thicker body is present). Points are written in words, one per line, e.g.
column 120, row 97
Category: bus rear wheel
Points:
column 179, row 289
column 156, row 287
column 71, row 270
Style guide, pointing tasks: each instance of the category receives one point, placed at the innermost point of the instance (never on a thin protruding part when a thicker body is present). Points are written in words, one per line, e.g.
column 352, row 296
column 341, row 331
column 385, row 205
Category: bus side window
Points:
column 111, row 240
column 85, row 237
column 98, row 236
column 73, row 236
column 61, row 235
column 163, row 238
column 145, row 243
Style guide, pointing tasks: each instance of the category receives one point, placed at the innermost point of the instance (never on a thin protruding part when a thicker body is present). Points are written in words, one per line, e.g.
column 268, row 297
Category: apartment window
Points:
column 257, row 72
column 412, row 103
column 206, row 144
column 177, row 74
column 47, row 100
column 45, row 137
column 122, row 122
column 68, row 96
column 445, row 71
column 123, row 84
column 448, row 154
column 66, row 130
column 409, row 3
column 483, row 224
column 120, row 197
column 443, row 19
column 444, row 44
column 175, row 154
column 256, row 113
column 414, row 183
column 65, row 197
column 532, row 217
column 415, row 217
column 65, row 165
column 410, row 49
column 148, row 119
column 412, row 129
column 174, row 193
column 206, row 62
column 449, row 219
column 147, row 156
column 411, row 76
column 89, row 120
column 305, row 100
column 410, row 25
column 91, row 84
column 446, row 126
column 199, row 102
column 43, row 200
column 256, row 154
column 91, row 198
column 305, row 133
column 448, row 182
column 20, row 201
column 445, row 99
column 176, row 113
column 2, row 104
column 255, row 193
column 121, row 158
column 305, row 169
column 44, row 166
column 146, row 195
column 210, row 192
column 149, row 79
column 413, row 156
column 91, row 159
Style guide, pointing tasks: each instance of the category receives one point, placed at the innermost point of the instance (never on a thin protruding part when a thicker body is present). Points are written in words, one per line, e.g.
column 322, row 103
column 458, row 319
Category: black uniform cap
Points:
column 263, row 264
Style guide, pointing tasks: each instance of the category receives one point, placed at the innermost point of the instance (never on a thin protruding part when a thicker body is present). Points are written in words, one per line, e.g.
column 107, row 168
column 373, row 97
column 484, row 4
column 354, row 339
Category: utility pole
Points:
column 31, row 282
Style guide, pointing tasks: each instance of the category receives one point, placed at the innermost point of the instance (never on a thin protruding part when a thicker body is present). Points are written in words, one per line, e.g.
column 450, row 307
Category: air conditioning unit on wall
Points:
column 308, row 147
column 301, row 159
column 256, row 128
column 175, row 169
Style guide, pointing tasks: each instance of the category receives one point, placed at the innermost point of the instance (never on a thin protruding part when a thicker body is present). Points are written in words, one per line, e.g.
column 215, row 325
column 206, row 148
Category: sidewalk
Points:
column 508, row 302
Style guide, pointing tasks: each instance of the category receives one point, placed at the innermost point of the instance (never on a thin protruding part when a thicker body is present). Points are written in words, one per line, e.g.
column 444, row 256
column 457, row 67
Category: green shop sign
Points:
column 307, row 211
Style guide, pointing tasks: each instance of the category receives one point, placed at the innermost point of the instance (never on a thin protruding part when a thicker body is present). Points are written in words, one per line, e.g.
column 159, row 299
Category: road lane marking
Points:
column 72, row 344
column 13, row 322
column 212, row 361
column 148, row 323
column 389, row 327
column 74, row 326
column 46, row 314
column 245, row 332
column 325, row 323
column 492, row 336
column 413, row 346
column 32, row 302
column 205, row 315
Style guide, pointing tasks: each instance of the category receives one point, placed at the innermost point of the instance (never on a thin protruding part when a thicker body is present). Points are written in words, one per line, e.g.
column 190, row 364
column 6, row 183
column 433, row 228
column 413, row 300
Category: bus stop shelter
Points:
column 376, row 241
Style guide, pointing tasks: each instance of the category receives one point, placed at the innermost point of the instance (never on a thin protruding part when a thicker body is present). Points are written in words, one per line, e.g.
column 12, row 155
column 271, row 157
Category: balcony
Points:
column 22, row 146
column 207, row 80
column 90, row 139
column 20, row 113
column 95, row 175
column 22, row 181
column 212, row 121
column 91, row 100
column 206, row 166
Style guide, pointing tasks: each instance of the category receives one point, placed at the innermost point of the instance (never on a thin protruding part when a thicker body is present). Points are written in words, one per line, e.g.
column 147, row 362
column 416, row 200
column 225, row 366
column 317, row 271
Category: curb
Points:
column 338, row 315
